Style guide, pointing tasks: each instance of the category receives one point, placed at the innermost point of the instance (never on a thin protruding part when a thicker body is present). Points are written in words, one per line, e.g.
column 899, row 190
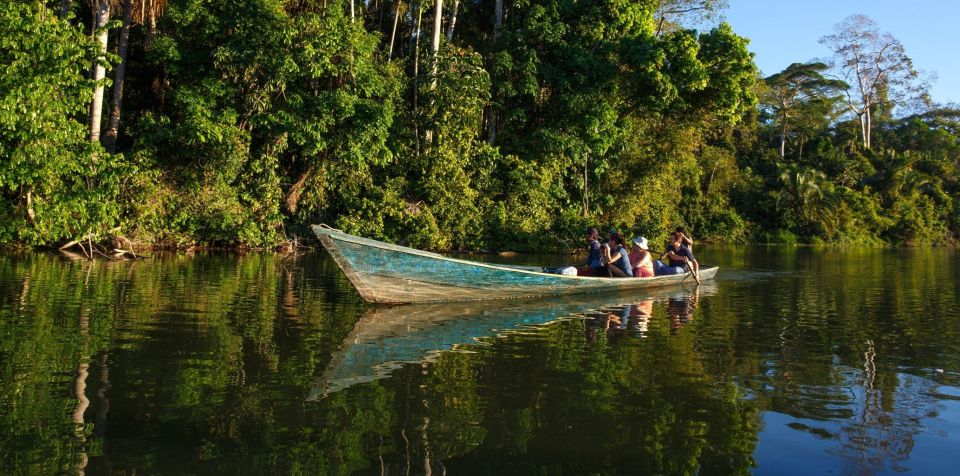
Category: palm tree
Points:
column 891, row 169
column 802, row 190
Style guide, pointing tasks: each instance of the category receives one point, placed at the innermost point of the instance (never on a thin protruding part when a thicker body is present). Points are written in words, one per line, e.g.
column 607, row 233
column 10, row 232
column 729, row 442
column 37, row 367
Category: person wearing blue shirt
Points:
column 617, row 258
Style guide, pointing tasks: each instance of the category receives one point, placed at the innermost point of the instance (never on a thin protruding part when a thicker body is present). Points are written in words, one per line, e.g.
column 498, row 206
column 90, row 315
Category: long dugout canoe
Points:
column 386, row 273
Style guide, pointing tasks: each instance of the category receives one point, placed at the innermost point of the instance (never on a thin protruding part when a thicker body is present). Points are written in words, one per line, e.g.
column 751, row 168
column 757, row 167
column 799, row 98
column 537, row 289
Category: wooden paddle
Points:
column 693, row 271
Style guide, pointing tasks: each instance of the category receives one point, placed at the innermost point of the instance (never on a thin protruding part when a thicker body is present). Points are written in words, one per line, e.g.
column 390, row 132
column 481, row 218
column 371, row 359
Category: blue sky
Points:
column 788, row 31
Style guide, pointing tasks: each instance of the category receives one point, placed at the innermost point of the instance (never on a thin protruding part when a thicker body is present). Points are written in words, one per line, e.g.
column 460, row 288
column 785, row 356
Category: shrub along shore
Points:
column 474, row 125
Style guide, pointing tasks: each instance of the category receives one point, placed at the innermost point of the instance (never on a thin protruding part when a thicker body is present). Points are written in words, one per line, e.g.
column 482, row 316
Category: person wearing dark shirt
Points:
column 594, row 264
column 688, row 242
column 677, row 254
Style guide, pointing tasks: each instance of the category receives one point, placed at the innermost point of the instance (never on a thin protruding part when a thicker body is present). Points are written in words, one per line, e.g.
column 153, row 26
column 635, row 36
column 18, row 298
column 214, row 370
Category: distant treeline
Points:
column 476, row 124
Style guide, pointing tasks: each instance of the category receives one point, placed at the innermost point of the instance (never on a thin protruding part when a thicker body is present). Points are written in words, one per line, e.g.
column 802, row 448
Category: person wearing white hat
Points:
column 641, row 259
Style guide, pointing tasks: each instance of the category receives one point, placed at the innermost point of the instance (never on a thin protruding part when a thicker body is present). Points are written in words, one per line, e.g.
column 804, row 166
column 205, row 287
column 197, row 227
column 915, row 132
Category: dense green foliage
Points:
column 244, row 121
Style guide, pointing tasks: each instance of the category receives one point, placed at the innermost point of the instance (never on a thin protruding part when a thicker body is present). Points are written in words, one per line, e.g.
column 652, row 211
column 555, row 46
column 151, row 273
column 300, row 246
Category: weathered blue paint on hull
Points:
column 387, row 273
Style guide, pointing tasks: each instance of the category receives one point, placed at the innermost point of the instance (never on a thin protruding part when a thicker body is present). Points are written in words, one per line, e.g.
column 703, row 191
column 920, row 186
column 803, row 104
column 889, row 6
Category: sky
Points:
column 782, row 32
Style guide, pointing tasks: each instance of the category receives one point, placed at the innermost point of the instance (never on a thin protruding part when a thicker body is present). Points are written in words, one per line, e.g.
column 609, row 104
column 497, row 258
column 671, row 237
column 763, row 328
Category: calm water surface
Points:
column 795, row 361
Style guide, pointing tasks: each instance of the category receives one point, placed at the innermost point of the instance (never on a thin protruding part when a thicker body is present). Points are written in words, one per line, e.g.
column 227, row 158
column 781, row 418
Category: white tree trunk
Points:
column 435, row 45
column 393, row 35
column 867, row 127
column 99, row 72
column 864, row 130
column 783, row 141
column 453, row 20
column 416, row 80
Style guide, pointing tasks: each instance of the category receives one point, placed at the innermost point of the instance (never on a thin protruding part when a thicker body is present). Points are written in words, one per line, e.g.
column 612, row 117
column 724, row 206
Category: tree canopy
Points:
column 512, row 125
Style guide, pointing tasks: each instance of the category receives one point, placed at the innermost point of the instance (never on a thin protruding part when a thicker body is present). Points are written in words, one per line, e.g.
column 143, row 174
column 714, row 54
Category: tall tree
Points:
column 393, row 34
column 113, row 124
column 435, row 44
column 453, row 20
column 876, row 66
column 492, row 115
column 101, row 17
column 799, row 89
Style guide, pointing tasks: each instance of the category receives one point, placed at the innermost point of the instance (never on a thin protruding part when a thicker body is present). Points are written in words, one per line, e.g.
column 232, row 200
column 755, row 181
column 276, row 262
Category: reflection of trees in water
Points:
column 190, row 347
column 211, row 360
column 888, row 411
column 617, row 405
column 836, row 344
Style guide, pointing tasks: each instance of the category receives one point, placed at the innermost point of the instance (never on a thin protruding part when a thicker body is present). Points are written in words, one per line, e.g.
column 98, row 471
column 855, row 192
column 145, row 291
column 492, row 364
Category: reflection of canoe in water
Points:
column 387, row 273
column 385, row 338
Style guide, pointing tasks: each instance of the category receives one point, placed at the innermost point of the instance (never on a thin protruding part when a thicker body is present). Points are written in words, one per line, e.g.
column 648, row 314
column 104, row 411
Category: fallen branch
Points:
column 122, row 247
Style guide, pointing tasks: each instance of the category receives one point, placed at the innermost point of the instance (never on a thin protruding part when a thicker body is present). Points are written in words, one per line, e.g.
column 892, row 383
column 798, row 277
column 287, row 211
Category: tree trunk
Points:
column 412, row 25
column 497, row 18
column 151, row 26
column 586, row 188
column 867, row 127
column 351, row 11
column 416, row 58
column 96, row 106
column 113, row 125
column 379, row 7
column 435, row 45
column 863, row 130
column 31, row 215
column 453, row 20
column 434, row 58
column 296, row 190
column 393, row 35
column 783, row 141
column 663, row 18
column 416, row 79
column 497, row 23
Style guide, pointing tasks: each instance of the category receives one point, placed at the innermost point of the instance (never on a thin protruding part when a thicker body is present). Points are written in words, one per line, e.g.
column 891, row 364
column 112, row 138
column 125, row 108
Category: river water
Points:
column 794, row 361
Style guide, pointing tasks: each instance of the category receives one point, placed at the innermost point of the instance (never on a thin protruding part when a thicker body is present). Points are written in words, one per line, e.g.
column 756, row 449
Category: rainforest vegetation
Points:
column 474, row 124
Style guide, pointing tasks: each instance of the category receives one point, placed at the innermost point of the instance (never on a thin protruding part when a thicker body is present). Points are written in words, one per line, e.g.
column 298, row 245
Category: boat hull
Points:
column 385, row 273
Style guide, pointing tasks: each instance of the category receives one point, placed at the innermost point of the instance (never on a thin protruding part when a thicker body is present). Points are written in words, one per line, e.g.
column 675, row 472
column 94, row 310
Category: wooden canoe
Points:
column 386, row 273
column 387, row 337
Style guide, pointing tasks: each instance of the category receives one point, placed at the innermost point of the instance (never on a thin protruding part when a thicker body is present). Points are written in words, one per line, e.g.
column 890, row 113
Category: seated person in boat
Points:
column 688, row 242
column 616, row 258
column 677, row 254
column 640, row 258
column 594, row 264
